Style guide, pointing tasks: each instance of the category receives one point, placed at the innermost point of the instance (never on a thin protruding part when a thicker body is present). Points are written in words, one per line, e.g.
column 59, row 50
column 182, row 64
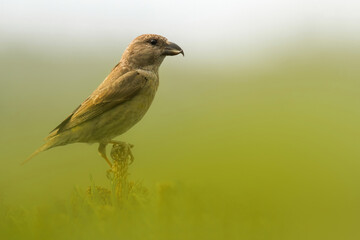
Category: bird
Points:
column 120, row 101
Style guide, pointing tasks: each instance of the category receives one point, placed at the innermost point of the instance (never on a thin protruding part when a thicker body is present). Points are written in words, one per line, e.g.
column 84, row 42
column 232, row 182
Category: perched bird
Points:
column 120, row 101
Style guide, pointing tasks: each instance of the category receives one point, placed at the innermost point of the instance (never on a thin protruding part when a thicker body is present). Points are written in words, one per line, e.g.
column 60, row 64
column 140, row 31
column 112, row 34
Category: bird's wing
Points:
column 107, row 96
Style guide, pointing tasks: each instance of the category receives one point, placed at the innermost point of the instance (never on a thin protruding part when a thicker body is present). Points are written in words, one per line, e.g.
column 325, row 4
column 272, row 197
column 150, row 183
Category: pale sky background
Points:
column 201, row 24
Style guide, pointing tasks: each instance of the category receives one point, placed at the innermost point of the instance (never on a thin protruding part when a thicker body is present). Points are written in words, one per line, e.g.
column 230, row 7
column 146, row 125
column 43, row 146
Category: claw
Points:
column 125, row 152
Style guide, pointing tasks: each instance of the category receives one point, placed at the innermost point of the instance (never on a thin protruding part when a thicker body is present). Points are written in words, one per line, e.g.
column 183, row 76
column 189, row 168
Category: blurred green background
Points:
column 253, row 135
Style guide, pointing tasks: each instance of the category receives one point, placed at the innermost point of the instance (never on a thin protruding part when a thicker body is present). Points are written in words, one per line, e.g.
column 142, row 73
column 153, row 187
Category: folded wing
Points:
column 104, row 98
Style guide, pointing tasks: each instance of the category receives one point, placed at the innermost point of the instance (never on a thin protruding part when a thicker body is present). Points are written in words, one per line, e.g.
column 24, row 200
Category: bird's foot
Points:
column 121, row 152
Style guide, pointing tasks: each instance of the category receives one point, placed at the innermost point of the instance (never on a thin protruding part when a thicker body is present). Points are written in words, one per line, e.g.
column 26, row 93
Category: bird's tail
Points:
column 46, row 146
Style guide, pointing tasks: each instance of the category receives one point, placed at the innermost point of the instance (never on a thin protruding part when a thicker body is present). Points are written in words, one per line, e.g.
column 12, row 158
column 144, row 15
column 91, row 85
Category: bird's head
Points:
column 149, row 50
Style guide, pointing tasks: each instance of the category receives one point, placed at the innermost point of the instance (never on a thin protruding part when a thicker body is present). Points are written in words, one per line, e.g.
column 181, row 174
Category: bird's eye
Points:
column 153, row 41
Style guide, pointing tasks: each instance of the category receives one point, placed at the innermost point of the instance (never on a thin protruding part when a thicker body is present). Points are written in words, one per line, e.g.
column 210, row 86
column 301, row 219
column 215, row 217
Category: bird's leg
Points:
column 126, row 146
column 102, row 151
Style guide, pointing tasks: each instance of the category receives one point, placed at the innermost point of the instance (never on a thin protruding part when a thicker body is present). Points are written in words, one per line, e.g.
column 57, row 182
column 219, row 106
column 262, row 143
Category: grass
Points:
column 124, row 210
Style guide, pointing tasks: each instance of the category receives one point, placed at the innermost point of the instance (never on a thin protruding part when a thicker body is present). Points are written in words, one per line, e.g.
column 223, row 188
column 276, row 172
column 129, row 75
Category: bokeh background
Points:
column 254, row 134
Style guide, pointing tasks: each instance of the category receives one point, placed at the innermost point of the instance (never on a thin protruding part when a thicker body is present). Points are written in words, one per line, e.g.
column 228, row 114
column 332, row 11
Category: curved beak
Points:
column 172, row 49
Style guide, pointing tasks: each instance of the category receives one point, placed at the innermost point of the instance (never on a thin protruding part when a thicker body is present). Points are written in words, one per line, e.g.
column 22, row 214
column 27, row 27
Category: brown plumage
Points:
column 120, row 101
